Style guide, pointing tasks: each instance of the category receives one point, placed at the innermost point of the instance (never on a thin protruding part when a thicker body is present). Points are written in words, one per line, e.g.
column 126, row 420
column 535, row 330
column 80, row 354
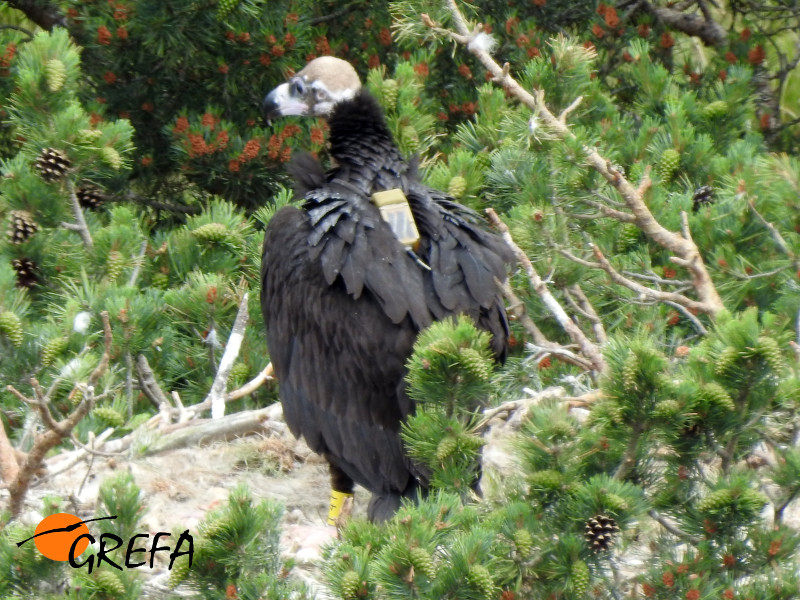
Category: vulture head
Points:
column 314, row 91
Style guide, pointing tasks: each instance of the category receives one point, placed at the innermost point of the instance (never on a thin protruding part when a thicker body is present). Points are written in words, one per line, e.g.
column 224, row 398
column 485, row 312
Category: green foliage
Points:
column 237, row 553
column 449, row 376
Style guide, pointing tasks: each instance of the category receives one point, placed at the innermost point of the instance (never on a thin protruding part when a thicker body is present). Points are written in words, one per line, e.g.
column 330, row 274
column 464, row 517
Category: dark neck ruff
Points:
column 362, row 145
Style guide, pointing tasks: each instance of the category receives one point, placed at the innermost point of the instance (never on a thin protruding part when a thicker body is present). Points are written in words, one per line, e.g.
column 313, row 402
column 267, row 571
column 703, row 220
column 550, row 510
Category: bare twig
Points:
column 588, row 349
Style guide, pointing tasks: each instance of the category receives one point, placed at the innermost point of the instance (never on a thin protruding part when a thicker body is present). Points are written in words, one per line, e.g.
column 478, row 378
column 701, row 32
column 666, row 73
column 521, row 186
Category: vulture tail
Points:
column 383, row 507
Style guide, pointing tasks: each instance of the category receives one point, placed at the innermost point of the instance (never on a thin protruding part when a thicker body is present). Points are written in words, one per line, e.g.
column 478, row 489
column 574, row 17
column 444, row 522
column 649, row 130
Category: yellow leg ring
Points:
column 337, row 502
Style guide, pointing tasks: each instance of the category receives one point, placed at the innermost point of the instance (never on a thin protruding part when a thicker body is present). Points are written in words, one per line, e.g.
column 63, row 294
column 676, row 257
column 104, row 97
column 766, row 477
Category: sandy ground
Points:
column 181, row 486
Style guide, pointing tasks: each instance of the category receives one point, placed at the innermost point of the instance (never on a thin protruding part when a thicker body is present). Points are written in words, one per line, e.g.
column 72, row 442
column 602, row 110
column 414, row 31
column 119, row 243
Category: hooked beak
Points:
column 280, row 103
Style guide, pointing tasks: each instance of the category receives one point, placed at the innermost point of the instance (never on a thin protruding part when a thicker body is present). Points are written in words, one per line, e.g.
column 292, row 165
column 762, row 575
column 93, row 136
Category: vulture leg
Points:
column 341, row 490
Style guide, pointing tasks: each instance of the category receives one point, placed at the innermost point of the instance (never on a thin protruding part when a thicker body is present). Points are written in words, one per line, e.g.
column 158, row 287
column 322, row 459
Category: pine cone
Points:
column 349, row 585
column 702, row 195
column 179, row 572
column 52, row 164
column 628, row 237
column 55, row 73
column 160, row 280
column 410, row 137
column 667, row 409
column 669, row 163
column 446, row 447
column 524, row 542
column 225, row 7
column 21, row 226
column 52, row 349
column 614, row 502
column 580, row 575
column 600, row 531
column 422, row 561
column 547, row 479
column 109, row 415
column 211, row 232
column 479, row 366
column 26, row 272
column 390, row 89
column 480, row 578
column 725, row 360
column 770, row 350
column 457, row 186
column 714, row 393
column 715, row 110
column 109, row 581
column 90, row 197
column 630, row 370
column 114, row 264
column 11, row 326
column 111, row 157
column 715, row 501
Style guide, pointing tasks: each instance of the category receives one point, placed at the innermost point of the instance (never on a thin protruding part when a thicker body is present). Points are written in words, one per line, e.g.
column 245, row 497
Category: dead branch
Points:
column 205, row 431
column 80, row 225
column 252, row 385
column 582, row 305
column 645, row 291
column 9, row 467
column 148, row 383
column 43, row 443
column 56, row 430
column 216, row 397
column 588, row 349
column 687, row 253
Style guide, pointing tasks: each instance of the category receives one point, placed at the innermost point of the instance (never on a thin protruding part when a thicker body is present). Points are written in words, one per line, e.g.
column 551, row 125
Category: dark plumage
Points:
column 343, row 299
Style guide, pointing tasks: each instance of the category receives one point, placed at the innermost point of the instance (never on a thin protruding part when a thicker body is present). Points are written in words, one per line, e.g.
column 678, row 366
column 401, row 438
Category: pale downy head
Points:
column 314, row 91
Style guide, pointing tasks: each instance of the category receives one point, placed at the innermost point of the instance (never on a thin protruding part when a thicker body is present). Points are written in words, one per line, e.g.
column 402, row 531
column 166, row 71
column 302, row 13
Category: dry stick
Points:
column 139, row 260
column 56, row 431
column 149, row 385
column 216, row 397
column 516, row 310
column 589, row 350
column 9, row 467
column 586, row 308
column 80, row 222
column 252, row 385
column 687, row 253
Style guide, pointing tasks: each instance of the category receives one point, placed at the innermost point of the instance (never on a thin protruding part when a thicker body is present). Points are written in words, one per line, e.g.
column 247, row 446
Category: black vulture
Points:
column 344, row 298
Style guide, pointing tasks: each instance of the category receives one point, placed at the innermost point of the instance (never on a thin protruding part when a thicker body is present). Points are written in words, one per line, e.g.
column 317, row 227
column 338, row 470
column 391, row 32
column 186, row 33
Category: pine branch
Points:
column 705, row 28
column 687, row 253
column 56, row 430
column 588, row 349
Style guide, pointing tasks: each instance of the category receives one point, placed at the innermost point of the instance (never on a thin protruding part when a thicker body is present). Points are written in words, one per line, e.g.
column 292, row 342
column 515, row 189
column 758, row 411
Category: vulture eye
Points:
column 320, row 94
column 298, row 87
